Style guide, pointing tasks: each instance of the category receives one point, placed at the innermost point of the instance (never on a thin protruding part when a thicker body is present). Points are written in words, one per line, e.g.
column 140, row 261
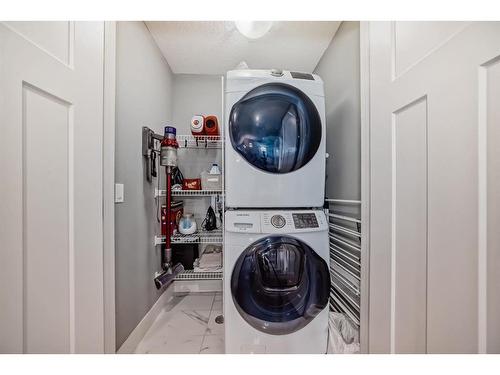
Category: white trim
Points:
column 133, row 340
column 393, row 232
column 482, row 220
column 108, row 178
column 364, row 58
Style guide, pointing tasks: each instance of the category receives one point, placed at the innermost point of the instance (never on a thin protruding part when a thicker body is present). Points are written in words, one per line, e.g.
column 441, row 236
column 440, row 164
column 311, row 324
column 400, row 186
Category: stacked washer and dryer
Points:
column 276, row 254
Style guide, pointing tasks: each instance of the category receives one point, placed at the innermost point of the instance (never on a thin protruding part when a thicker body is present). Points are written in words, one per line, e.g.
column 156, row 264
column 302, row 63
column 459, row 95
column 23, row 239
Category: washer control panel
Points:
column 275, row 221
column 305, row 220
column 290, row 221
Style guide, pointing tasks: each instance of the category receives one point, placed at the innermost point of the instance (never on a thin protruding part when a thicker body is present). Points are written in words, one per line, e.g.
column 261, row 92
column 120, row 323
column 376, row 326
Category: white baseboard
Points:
column 133, row 340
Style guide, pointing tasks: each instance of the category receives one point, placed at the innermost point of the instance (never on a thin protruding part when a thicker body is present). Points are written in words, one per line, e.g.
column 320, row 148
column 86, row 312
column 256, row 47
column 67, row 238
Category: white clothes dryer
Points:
column 274, row 139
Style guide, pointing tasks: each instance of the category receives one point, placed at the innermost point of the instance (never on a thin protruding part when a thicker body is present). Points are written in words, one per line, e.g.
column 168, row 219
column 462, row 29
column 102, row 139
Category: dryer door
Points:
column 276, row 128
column 279, row 284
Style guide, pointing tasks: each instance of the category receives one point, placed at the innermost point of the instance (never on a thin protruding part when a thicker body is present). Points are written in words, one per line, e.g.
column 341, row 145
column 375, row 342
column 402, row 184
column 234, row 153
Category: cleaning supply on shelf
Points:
column 198, row 125
column 191, row 184
column 215, row 169
column 212, row 180
column 211, row 126
column 210, row 260
column 187, row 224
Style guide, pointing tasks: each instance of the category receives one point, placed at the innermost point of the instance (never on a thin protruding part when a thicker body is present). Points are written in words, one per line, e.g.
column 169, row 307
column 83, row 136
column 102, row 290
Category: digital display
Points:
column 298, row 75
column 302, row 221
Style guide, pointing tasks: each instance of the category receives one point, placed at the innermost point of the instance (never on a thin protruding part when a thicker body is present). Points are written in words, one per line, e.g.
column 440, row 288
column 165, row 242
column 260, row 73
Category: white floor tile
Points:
column 183, row 323
column 182, row 326
column 217, row 305
column 196, row 302
column 173, row 345
column 213, row 327
column 213, row 344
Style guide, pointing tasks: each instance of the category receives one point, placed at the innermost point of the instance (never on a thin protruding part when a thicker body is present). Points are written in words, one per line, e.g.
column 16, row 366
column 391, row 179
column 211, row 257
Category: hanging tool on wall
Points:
column 168, row 159
column 149, row 151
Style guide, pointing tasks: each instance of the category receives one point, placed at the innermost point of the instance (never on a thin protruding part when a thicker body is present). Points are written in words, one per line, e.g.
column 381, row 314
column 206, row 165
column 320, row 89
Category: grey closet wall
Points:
column 143, row 97
column 339, row 69
column 195, row 94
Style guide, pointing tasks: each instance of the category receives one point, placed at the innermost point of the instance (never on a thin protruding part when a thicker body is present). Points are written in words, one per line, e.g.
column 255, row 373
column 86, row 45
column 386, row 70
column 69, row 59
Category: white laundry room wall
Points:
column 143, row 98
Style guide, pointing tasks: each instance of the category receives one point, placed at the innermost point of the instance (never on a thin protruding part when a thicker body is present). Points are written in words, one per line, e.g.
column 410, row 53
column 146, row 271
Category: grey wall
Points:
column 196, row 94
column 339, row 69
column 143, row 97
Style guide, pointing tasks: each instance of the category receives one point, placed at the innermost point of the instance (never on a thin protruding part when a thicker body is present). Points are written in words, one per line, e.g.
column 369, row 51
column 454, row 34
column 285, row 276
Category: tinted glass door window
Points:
column 276, row 128
column 279, row 284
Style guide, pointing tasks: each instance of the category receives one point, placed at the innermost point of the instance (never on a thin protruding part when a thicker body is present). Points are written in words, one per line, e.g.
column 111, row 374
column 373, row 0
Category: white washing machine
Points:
column 276, row 281
column 274, row 139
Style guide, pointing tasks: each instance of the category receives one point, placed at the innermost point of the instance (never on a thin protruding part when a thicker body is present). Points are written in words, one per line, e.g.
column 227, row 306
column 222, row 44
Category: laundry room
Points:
column 203, row 186
column 264, row 195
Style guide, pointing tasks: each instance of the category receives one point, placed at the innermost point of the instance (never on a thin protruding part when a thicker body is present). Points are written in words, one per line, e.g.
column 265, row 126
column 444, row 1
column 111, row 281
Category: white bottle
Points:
column 215, row 169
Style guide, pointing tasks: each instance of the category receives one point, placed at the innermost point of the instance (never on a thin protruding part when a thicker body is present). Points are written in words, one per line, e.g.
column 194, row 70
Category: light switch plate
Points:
column 119, row 193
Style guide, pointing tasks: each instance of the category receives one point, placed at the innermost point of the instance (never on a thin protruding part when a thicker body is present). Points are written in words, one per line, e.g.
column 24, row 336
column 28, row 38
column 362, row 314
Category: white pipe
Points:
column 343, row 242
column 346, row 218
column 343, row 201
column 345, row 230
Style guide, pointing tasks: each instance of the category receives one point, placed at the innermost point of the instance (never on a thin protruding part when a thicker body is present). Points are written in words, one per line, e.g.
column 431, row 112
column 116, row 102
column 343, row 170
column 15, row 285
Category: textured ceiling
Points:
column 207, row 47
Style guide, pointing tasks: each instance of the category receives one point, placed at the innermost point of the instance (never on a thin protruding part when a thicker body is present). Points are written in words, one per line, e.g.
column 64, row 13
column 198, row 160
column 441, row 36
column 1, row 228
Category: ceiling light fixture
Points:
column 253, row 29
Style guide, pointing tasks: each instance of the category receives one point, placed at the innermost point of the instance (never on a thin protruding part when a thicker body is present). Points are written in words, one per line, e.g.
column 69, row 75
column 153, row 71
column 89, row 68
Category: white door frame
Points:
column 364, row 61
column 109, row 186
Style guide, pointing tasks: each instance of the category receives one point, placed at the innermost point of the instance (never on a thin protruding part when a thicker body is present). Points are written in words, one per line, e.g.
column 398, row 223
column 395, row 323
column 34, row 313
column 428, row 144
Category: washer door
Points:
column 276, row 128
column 279, row 284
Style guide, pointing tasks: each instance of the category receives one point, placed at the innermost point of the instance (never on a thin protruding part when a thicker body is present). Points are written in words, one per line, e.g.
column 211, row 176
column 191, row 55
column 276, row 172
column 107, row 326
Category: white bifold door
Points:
column 51, row 240
column 435, row 187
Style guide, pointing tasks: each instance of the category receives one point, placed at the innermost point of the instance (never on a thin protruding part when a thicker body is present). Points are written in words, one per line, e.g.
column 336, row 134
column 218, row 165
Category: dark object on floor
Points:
column 185, row 254
column 219, row 319
column 166, row 277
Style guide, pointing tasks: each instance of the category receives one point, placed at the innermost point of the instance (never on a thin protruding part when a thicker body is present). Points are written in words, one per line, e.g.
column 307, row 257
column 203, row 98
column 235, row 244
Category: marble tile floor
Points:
column 186, row 326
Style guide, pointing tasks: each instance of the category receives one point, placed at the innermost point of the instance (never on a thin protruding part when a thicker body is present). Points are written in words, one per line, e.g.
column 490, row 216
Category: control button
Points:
column 278, row 221
column 277, row 72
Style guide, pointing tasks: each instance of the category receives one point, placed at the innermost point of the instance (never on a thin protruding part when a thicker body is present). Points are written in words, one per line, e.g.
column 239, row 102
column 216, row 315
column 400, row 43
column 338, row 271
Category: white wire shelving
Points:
column 200, row 237
column 188, row 193
column 214, row 236
column 193, row 275
column 199, row 141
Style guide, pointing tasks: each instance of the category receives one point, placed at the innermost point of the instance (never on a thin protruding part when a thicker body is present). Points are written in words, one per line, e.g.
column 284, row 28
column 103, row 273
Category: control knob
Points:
column 278, row 221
